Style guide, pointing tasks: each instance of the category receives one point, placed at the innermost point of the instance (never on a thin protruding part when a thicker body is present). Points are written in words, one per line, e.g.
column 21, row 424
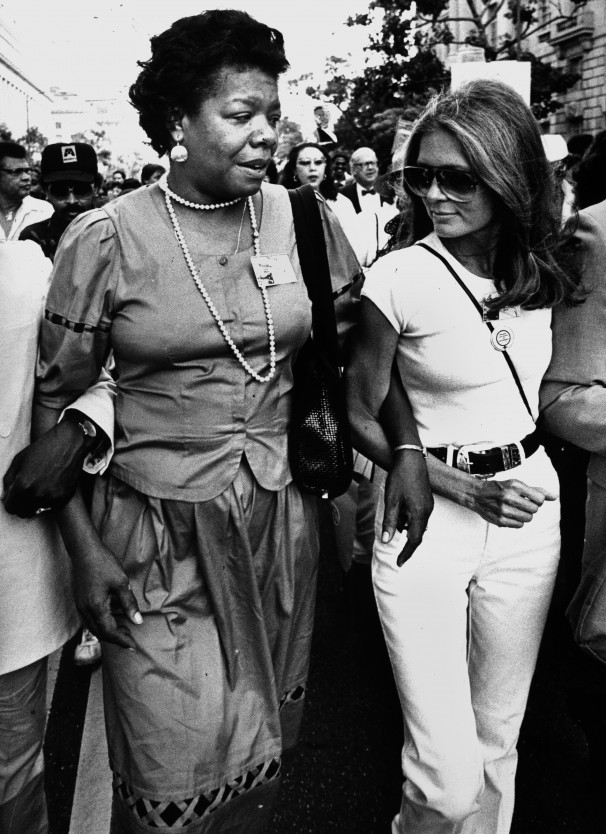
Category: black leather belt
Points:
column 488, row 461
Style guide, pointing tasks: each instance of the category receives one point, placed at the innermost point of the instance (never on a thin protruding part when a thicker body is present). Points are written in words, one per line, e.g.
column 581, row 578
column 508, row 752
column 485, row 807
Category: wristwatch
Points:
column 88, row 428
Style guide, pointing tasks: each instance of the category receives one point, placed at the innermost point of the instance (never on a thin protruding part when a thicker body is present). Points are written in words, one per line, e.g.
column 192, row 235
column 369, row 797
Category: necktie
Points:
column 369, row 191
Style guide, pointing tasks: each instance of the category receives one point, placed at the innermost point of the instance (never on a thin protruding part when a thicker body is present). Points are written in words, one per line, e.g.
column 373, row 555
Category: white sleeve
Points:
column 98, row 405
column 384, row 286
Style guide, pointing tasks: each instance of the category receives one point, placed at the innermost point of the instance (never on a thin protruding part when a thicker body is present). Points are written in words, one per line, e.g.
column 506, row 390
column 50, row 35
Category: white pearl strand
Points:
column 204, row 293
column 163, row 183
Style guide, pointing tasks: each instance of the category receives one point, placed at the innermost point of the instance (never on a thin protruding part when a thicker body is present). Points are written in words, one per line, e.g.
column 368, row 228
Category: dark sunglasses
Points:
column 459, row 186
column 61, row 190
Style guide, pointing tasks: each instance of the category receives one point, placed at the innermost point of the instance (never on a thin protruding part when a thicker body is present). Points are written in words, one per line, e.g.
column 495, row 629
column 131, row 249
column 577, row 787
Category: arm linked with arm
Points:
column 98, row 577
column 74, row 345
column 74, row 342
column 45, row 473
column 381, row 417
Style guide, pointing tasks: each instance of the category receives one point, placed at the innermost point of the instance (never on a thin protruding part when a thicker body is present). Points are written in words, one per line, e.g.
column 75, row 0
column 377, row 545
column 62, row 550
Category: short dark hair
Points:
column 130, row 183
column 328, row 188
column 12, row 149
column 500, row 138
column 339, row 155
column 149, row 170
column 186, row 60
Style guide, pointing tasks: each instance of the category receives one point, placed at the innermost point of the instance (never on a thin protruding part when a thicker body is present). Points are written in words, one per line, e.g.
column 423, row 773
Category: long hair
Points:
column 187, row 59
column 328, row 187
column 500, row 138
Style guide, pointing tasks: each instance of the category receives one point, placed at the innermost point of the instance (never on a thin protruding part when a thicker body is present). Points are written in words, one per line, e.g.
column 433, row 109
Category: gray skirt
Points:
column 198, row 715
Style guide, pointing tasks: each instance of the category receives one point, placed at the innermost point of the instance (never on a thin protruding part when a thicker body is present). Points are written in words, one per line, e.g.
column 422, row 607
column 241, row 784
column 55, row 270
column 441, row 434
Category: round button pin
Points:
column 501, row 338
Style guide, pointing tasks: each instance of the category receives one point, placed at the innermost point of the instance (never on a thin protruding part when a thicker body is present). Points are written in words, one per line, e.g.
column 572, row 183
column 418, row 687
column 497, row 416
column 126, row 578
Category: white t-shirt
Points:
column 460, row 387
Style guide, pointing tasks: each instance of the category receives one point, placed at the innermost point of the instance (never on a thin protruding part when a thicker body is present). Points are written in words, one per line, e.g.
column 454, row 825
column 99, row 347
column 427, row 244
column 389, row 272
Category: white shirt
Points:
column 37, row 614
column 368, row 202
column 370, row 233
column 460, row 388
column 30, row 211
column 346, row 215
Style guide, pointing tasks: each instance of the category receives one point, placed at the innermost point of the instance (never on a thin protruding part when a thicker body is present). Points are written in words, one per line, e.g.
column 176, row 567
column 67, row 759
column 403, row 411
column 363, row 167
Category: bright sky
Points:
column 91, row 46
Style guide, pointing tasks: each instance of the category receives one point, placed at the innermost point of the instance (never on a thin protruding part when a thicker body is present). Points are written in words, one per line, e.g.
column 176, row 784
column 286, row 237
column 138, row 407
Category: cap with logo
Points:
column 74, row 161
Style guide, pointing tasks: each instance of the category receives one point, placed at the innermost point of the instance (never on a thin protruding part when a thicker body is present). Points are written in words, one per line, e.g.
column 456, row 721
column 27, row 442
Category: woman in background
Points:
column 309, row 164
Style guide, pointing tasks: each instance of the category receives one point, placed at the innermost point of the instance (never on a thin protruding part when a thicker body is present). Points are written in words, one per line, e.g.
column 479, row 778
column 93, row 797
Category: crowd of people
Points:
column 151, row 328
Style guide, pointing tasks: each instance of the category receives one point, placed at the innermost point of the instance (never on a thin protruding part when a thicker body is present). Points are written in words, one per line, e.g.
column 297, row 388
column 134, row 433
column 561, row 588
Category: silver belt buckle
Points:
column 511, row 456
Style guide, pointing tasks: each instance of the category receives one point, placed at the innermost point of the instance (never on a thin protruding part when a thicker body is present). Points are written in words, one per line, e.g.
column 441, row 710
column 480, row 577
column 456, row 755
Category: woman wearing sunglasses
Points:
column 465, row 312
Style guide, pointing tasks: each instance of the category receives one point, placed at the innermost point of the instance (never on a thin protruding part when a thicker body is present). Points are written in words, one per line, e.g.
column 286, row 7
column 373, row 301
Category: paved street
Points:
column 344, row 775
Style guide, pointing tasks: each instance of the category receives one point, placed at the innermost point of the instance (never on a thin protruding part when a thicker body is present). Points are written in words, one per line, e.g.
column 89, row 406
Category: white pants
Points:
column 463, row 620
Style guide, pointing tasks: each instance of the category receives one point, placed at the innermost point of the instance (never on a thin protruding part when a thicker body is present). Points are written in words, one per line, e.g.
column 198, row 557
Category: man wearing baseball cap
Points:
column 69, row 176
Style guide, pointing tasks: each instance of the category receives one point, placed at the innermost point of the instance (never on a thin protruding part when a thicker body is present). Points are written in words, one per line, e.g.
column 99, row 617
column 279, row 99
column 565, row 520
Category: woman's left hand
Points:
column 408, row 502
column 509, row 503
column 100, row 585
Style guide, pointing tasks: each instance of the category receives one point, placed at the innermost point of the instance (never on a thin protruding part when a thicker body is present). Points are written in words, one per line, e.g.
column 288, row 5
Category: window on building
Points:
column 574, row 65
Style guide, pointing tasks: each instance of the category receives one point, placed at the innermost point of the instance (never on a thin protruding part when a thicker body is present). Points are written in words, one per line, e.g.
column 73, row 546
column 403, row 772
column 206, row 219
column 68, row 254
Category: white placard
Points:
column 514, row 73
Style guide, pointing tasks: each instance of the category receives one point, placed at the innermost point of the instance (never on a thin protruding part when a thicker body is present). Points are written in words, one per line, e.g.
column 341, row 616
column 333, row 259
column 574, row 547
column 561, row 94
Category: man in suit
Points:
column 37, row 613
column 374, row 210
column 573, row 404
column 364, row 170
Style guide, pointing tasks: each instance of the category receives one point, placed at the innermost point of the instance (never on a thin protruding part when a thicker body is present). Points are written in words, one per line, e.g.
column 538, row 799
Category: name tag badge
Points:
column 501, row 337
column 498, row 315
column 273, row 269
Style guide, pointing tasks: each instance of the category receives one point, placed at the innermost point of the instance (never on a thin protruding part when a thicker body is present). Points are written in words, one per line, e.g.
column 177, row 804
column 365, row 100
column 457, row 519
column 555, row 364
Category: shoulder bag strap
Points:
column 311, row 247
column 489, row 324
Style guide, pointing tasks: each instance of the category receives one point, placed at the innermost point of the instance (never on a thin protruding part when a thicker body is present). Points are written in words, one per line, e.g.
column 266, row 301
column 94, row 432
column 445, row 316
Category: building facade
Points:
column 579, row 46
column 574, row 41
column 23, row 104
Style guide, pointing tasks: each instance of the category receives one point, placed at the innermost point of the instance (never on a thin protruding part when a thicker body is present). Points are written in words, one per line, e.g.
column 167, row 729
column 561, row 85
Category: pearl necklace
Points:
column 163, row 183
column 204, row 293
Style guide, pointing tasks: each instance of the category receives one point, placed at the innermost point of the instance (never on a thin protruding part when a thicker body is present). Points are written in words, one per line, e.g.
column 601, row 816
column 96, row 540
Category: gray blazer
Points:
column 573, row 393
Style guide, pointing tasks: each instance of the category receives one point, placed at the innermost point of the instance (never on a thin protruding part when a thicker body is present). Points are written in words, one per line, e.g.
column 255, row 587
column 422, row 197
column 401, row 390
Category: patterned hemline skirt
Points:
column 198, row 715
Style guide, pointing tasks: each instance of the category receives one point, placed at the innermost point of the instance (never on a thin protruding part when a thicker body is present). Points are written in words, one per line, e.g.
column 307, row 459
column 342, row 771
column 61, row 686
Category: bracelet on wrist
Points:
column 412, row 447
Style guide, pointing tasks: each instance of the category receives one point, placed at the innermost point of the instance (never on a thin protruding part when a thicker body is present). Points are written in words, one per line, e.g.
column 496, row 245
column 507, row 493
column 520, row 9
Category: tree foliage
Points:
column 403, row 68
column 97, row 137
column 34, row 141
column 290, row 135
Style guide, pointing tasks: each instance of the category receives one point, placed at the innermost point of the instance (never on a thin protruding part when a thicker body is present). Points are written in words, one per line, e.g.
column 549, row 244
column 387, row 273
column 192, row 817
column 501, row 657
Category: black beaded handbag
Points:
column 319, row 443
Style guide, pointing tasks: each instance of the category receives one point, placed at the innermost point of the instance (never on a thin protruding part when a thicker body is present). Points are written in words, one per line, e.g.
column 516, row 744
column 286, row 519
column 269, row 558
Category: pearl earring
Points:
column 178, row 153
